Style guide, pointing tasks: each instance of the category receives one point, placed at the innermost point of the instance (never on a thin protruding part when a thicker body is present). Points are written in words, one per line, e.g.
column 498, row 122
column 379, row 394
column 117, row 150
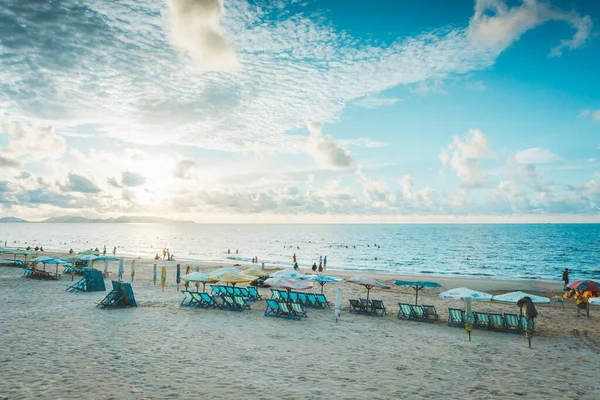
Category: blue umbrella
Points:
column 417, row 285
column 326, row 279
column 121, row 269
column 154, row 274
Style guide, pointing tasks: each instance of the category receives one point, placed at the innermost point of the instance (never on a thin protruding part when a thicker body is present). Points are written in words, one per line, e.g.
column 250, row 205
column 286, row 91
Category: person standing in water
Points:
column 115, row 251
column 104, row 250
column 565, row 276
column 325, row 263
column 294, row 258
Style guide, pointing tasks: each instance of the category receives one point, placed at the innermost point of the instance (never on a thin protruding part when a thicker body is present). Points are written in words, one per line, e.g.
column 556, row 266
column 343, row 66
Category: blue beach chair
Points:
column 481, row 320
column 512, row 323
column 456, row 317
column 496, row 322
column 272, row 309
column 322, row 301
column 378, row 308
column 405, row 312
column 254, row 294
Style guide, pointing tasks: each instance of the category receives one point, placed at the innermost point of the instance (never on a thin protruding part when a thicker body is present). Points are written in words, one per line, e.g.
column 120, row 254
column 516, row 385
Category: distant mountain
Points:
column 12, row 219
column 65, row 219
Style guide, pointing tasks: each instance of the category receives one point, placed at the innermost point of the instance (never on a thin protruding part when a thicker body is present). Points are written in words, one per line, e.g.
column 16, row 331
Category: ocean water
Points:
column 536, row 251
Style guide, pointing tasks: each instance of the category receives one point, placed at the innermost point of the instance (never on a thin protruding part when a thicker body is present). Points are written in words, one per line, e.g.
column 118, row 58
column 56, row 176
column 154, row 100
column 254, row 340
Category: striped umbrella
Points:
column 584, row 286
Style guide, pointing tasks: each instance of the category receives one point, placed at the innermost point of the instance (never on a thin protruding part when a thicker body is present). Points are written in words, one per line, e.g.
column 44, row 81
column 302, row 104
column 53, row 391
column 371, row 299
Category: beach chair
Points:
column 240, row 303
column 311, row 300
column 79, row 286
column 228, row 303
column 354, row 306
column 121, row 296
column 187, row 299
column 297, row 311
column 284, row 310
column 245, row 293
column 419, row 313
column 284, row 295
column 196, row 299
column 272, row 309
column 216, row 291
column 228, row 290
column 237, row 291
column 496, row 322
column 254, row 294
column 378, row 307
column 481, row 320
column 431, row 313
column 302, row 298
column 206, row 301
column 27, row 272
column 512, row 323
column 322, row 301
column 293, row 296
column 275, row 295
column 405, row 312
column 456, row 317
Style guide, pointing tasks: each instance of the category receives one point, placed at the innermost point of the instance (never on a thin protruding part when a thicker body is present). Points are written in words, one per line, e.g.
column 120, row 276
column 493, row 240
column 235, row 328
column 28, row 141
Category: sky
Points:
column 301, row 110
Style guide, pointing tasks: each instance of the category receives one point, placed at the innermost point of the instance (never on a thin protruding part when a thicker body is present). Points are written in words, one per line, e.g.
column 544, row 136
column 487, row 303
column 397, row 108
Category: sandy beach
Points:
column 57, row 344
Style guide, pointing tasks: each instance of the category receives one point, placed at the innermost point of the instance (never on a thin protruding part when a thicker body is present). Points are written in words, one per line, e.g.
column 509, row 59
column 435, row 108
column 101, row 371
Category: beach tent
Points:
column 230, row 277
column 322, row 280
column 514, row 297
column 288, row 284
column 198, row 277
column 464, row 293
column 417, row 285
column 368, row 283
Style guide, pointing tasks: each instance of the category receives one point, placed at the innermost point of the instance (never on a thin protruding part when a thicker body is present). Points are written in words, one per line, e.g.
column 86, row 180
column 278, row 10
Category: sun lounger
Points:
column 206, row 301
column 481, row 320
column 121, row 296
column 272, row 309
column 512, row 323
column 297, row 311
column 354, row 306
column 322, row 301
column 216, row 291
column 240, row 303
column 405, row 311
column 424, row 313
column 456, row 317
column 187, row 299
column 366, row 306
column 228, row 303
column 377, row 307
column 284, row 295
column 245, row 293
column 496, row 322
column 284, row 310
column 275, row 294
column 302, row 298
column 228, row 290
column 311, row 300
column 293, row 296
column 254, row 294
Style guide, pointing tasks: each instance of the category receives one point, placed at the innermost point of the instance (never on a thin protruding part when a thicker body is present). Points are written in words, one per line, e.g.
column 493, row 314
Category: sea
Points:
column 499, row 251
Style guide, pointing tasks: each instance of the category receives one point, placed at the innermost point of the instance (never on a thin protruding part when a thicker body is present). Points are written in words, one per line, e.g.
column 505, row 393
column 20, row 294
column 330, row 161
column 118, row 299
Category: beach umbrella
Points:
column 514, row 297
column 338, row 304
column 230, row 277
column 463, row 293
column 291, row 274
column 368, row 283
column 225, row 269
column 105, row 258
column 187, row 271
column 417, row 285
column 198, row 277
column 90, row 252
column 584, row 286
column 120, row 273
column 42, row 259
column 255, row 271
column 322, row 280
column 163, row 278
column 154, row 275
column 288, row 284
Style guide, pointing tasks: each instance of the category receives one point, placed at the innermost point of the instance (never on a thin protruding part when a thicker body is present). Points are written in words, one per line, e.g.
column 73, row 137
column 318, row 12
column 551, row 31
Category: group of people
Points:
column 166, row 255
column 321, row 267
column 36, row 248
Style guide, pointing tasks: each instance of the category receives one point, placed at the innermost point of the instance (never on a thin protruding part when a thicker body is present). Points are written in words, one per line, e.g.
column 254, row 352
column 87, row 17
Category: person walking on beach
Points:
column 325, row 263
column 565, row 276
column 114, row 250
column 104, row 251
column 294, row 258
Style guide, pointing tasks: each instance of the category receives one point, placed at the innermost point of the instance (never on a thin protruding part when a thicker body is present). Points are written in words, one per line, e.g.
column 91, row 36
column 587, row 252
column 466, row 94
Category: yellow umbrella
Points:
column 229, row 277
column 187, row 271
column 256, row 272
column 163, row 278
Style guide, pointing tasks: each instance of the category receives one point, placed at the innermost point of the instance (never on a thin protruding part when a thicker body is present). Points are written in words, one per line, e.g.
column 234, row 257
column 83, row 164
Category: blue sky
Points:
column 437, row 111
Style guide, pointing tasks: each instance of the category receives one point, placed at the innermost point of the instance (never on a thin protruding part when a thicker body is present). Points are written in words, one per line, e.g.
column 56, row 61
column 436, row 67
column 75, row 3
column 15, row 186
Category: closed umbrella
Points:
column 368, row 283
column 187, row 283
column 132, row 270
column 417, row 285
column 338, row 304
column 121, row 267
column 163, row 277
column 468, row 321
column 178, row 275
column 154, row 275
column 322, row 280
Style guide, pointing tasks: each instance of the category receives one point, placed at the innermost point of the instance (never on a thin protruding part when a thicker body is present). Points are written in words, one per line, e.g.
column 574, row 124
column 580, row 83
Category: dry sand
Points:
column 55, row 344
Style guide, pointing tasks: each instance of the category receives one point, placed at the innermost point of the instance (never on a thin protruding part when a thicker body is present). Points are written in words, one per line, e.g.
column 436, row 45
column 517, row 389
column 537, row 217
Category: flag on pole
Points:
column 154, row 276
column 163, row 278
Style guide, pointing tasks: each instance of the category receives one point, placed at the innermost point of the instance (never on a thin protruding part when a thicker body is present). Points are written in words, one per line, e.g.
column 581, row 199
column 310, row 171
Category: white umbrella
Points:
column 594, row 300
column 198, row 277
column 291, row 274
column 289, row 284
column 514, row 297
column 464, row 293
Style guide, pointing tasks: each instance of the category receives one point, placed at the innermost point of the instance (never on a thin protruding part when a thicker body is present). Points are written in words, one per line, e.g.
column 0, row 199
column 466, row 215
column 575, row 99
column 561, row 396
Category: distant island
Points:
column 82, row 220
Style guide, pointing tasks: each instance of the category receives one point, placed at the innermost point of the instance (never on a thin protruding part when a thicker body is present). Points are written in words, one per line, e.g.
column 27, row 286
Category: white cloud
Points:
column 184, row 168
column 464, row 157
column 584, row 114
column 424, row 88
column 495, row 25
column 325, row 151
column 594, row 114
column 31, row 142
column 132, row 179
column 81, row 184
column 196, row 28
column 375, row 102
column 6, row 162
column 535, row 155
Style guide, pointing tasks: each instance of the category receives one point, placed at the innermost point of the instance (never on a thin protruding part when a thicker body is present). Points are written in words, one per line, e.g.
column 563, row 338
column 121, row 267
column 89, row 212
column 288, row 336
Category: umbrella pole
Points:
column 416, row 296
column 368, row 290
column 322, row 284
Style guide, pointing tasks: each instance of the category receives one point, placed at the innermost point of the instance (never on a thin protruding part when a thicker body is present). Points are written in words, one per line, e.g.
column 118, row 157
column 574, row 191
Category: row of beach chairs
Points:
column 312, row 300
column 38, row 274
column 249, row 293
column 367, row 307
column 121, row 296
column 284, row 309
column 69, row 270
column 206, row 300
column 418, row 312
column 511, row 323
